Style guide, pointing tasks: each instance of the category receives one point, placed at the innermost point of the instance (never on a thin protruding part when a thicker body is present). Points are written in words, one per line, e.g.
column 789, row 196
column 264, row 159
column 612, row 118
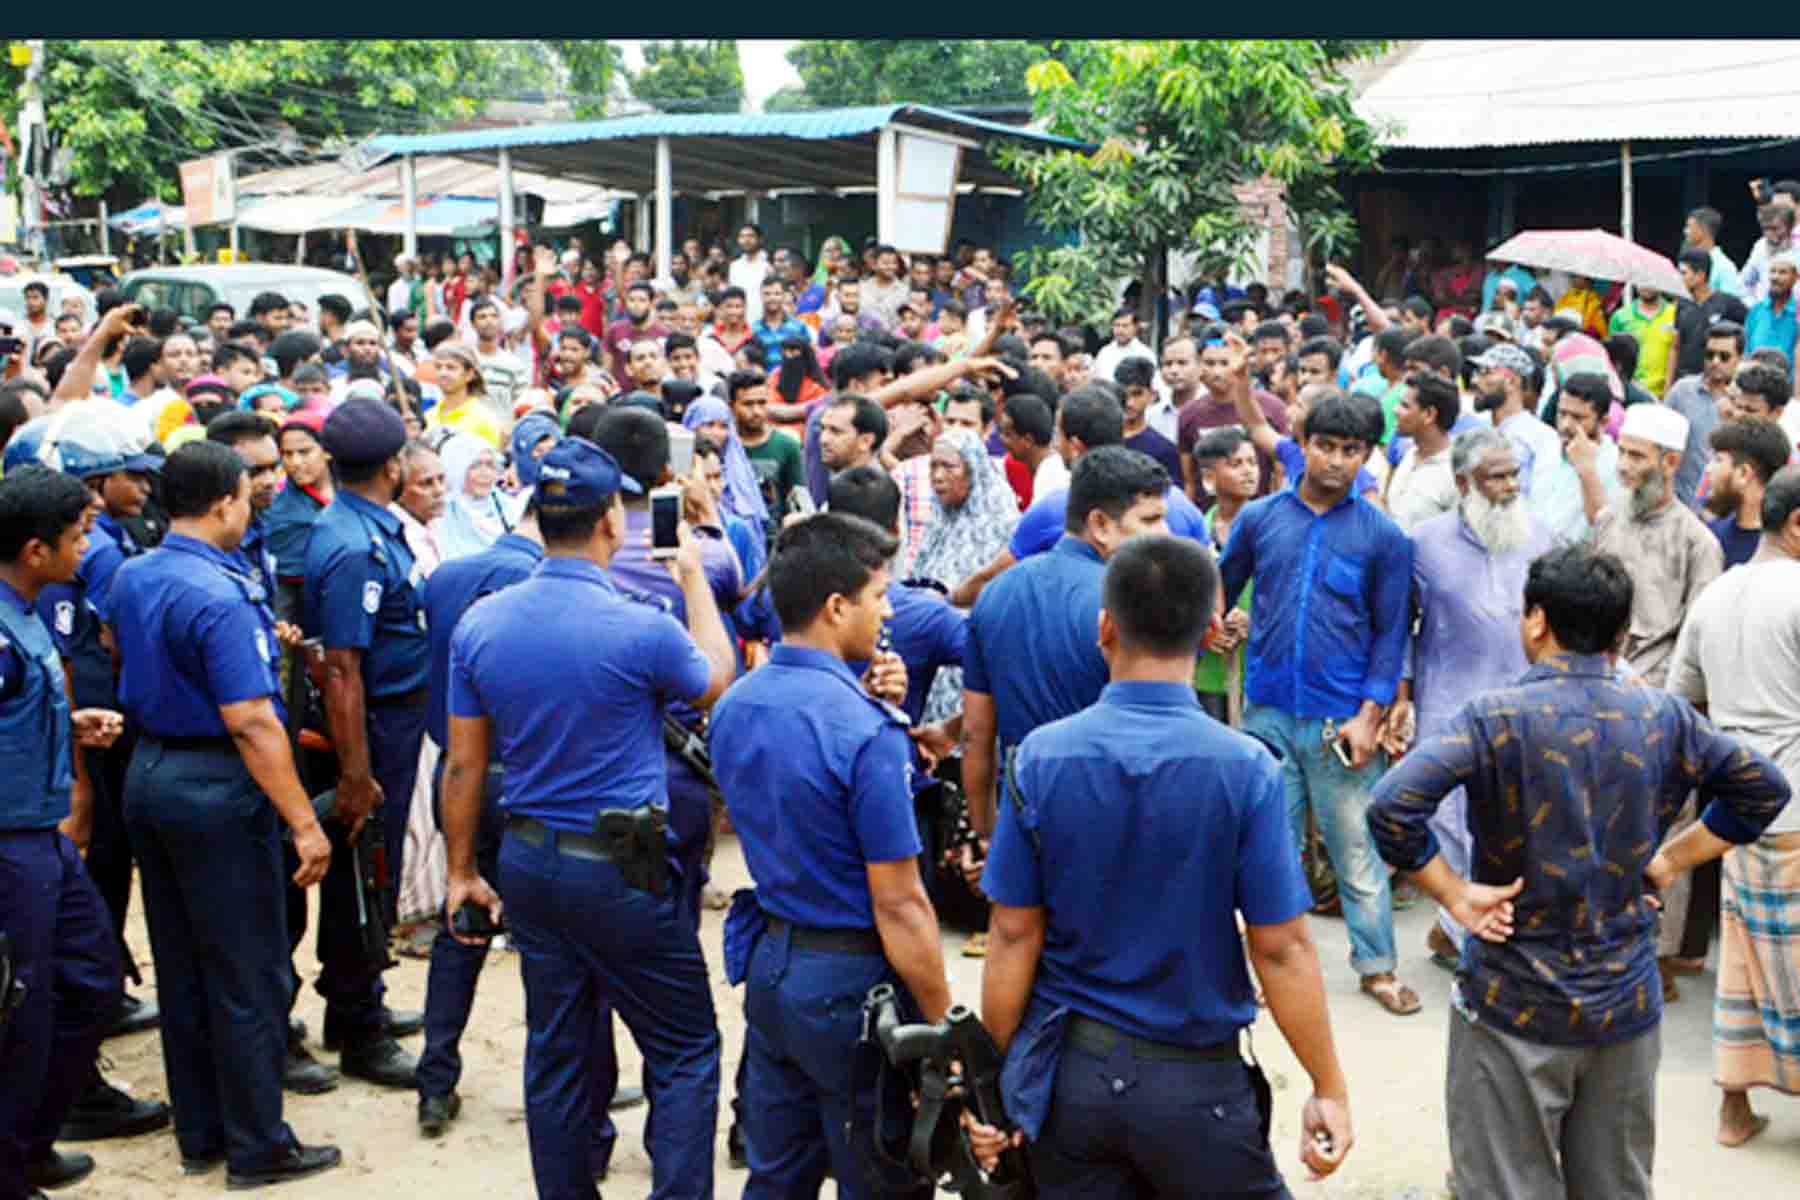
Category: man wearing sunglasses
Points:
column 1699, row 399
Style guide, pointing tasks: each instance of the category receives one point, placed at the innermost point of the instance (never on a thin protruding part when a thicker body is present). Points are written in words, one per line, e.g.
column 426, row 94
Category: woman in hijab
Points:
column 476, row 517
column 972, row 518
column 833, row 252
column 800, row 380
column 711, row 417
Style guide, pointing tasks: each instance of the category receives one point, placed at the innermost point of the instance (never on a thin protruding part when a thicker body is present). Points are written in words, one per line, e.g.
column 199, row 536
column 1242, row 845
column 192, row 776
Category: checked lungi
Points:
column 1756, row 1012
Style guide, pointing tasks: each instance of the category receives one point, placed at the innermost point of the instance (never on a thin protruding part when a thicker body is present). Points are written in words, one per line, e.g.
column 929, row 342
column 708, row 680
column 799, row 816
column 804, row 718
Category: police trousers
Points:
column 208, row 847
column 396, row 732
column 1123, row 1126
column 804, row 1009
column 585, row 937
column 450, row 991
column 64, row 952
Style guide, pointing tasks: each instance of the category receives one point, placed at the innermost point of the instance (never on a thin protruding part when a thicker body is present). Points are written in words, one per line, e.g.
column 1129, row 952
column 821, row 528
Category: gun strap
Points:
column 1018, row 803
column 869, row 1068
column 934, row 1087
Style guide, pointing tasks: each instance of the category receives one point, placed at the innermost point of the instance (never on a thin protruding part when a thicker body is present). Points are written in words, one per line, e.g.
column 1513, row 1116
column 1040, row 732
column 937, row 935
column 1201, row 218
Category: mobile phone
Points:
column 681, row 450
column 1341, row 748
column 665, row 522
column 472, row 920
column 800, row 500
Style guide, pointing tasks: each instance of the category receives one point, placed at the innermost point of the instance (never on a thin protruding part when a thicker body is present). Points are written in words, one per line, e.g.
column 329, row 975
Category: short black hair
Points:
column 638, row 440
column 734, row 292
column 742, row 380
column 1592, row 388
column 199, row 475
column 1269, row 331
column 1583, row 594
column 1435, row 394
column 107, row 299
column 337, row 306
column 1063, row 348
column 1781, row 500
column 1538, row 294
column 38, row 504
column 1341, row 416
column 1698, row 260
column 1461, row 326
column 13, row 412
column 572, row 304
column 38, row 286
column 968, row 393
column 292, row 348
column 1330, row 347
column 437, row 332
column 1393, row 342
column 1562, row 324
column 267, row 302
column 1031, row 418
column 1622, row 349
column 226, row 353
column 141, row 355
column 1437, row 352
column 1093, row 415
column 1419, row 306
column 1135, row 371
column 220, row 306
column 234, row 427
column 163, row 322
column 828, row 554
column 1159, row 591
column 1034, row 382
column 867, row 492
column 857, row 360
column 866, row 415
column 1709, row 220
column 1775, row 387
column 1763, row 445
column 1111, row 480
column 680, row 341
column 1730, row 329
column 1220, row 443
column 248, row 328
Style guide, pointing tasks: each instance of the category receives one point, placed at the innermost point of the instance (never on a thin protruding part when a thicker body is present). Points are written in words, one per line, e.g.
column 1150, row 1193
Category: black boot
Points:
column 379, row 1060
column 103, row 1111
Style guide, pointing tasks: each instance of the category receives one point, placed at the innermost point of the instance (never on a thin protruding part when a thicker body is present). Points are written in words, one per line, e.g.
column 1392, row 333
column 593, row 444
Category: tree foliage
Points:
column 1180, row 125
column 591, row 69
column 839, row 72
column 690, row 76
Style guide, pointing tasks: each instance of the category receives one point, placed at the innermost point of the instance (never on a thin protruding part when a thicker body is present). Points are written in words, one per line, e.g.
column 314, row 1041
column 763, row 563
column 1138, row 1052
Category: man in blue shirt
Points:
column 1328, row 627
column 211, row 773
column 62, row 947
column 1132, row 836
column 1031, row 656
column 535, row 671
column 1573, row 780
column 361, row 599
column 816, row 774
column 1773, row 323
column 776, row 325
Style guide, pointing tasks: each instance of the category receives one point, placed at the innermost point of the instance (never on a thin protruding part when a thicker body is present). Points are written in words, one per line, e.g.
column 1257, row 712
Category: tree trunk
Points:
column 1154, row 284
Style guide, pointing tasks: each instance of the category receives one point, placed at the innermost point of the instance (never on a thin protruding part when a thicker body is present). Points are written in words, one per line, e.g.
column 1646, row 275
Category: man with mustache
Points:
column 1671, row 557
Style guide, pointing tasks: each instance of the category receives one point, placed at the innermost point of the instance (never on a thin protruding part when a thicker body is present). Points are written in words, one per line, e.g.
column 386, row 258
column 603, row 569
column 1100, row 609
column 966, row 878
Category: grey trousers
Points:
column 1530, row 1120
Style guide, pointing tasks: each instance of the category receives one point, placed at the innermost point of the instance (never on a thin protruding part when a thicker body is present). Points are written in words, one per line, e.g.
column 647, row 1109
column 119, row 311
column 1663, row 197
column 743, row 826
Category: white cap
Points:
column 1657, row 424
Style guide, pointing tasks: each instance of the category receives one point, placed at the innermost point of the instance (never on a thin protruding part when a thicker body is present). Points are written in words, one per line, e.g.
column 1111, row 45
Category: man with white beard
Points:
column 1469, row 568
column 1671, row 557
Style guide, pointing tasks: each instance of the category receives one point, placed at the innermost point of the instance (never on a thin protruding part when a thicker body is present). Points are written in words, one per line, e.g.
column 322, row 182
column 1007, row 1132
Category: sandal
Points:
column 1444, row 953
column 1391, row 994
column 976, row 946
column 414, row 940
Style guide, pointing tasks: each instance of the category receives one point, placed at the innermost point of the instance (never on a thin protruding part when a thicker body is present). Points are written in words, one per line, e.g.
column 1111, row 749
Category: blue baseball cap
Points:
column 532, row 428
column 578, row 474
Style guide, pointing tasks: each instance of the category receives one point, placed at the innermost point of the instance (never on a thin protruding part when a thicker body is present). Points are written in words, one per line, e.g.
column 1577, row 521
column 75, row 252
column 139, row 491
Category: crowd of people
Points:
column 961, row 610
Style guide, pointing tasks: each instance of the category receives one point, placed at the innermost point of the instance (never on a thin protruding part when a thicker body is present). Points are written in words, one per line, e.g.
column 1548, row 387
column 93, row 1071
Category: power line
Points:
column 1612, row 161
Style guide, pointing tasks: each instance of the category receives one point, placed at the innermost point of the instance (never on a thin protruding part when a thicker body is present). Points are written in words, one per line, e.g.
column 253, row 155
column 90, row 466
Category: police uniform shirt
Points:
column 816, row 775
column 361, row 593
column 636, row 571
column 255, row 554
column 1044, row 522
column 1034, row 639
column 1156, row 825
column 289, row 522
column 74, row 627
column 195, row 632
column 108, row 548
column 449, row 592
column 36, row 754
column 573, row 675
column 928, row 634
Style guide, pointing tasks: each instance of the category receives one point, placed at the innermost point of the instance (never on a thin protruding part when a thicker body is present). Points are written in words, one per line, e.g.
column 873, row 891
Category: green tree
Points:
column 690, row 76
column 839, row 72
column 124, row 113
column 1180, row 125
column 591, row 67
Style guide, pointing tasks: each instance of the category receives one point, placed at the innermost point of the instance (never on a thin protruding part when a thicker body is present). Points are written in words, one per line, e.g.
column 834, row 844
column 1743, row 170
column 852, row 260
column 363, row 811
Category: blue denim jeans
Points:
column 1340, row 802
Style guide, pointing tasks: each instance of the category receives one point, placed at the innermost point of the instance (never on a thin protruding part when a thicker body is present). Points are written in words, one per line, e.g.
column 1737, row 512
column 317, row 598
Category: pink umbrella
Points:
column 1594, row 253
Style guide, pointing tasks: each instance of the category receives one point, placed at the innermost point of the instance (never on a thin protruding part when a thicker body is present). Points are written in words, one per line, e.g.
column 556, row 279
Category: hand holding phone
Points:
column 472, row 920
column 665, row 522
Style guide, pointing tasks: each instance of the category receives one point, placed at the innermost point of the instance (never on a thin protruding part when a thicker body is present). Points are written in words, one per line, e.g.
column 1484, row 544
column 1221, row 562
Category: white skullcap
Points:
column 356, row 329
column 1657, row 424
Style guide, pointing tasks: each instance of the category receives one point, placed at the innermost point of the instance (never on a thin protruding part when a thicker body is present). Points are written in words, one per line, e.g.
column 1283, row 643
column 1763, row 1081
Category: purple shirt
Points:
column 633, row 570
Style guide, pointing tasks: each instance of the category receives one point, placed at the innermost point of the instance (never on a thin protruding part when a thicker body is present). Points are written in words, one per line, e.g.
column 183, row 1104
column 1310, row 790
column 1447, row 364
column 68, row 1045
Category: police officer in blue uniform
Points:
column 1131, row 836
column 252, row 435
column 62, row 947
column 564, row 677
column 817, row 777
column 209, row 779
column 361, row 599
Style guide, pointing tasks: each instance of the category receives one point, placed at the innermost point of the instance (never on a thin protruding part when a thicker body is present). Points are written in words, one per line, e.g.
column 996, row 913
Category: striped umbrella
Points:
column 1594, row 253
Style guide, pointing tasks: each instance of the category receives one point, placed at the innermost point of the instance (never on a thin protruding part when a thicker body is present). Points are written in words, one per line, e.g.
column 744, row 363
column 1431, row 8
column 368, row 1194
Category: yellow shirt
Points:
column 1586, row 305
column 473, row 417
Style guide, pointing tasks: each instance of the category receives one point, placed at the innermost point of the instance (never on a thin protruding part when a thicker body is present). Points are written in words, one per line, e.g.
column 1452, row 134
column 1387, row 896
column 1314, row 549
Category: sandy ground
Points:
column 1395, row 1066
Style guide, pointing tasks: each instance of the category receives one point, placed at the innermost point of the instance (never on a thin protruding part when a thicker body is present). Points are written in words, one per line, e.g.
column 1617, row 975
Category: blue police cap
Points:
column 362, row 432
column 532, row 428
column 579, row 474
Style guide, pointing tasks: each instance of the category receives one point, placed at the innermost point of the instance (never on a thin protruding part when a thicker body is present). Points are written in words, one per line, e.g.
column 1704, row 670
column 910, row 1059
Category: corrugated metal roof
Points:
column 823, row 125
column 1454, row 94
column 435, row 176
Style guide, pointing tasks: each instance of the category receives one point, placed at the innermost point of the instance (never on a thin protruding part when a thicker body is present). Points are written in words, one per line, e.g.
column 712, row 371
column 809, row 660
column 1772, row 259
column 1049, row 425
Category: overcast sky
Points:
column 766, row 68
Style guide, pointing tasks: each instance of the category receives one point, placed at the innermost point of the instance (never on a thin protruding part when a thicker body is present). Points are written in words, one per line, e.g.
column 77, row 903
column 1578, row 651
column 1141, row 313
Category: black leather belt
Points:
column 413, row 699
column 1099, row 1039
column 828, row 941
column 575, row 845
column 222, row 744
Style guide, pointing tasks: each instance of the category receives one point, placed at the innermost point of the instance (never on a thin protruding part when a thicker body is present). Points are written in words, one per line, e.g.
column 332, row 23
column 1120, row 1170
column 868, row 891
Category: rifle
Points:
column 957, row 1067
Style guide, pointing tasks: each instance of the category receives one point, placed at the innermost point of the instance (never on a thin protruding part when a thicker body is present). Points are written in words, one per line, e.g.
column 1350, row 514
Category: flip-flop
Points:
column 1757, row 1125
column 976, row 946
column 1393, row 995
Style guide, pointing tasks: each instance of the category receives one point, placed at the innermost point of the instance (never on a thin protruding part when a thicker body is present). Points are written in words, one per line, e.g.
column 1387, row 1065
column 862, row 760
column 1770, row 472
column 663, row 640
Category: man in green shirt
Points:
column 1650, row 318
column 1227, row 461
column 775, row 455
column 1386, row 383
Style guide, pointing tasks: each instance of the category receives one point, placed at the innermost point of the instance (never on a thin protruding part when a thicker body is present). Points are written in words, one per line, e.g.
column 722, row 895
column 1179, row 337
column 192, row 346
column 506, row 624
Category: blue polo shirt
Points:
column 1045, row 520
column 108, row 548
column 290, row 520
column 1329, row 619
column 449, row 592
column 928, row 634
column 361, row 593
column 816, row 775
column 1146, row 777
column 573, row 675
column 254, row 550
column 35, row 734
column 1766, row 328
column 191, row 638
column 1034, row 639
column 771, row 337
